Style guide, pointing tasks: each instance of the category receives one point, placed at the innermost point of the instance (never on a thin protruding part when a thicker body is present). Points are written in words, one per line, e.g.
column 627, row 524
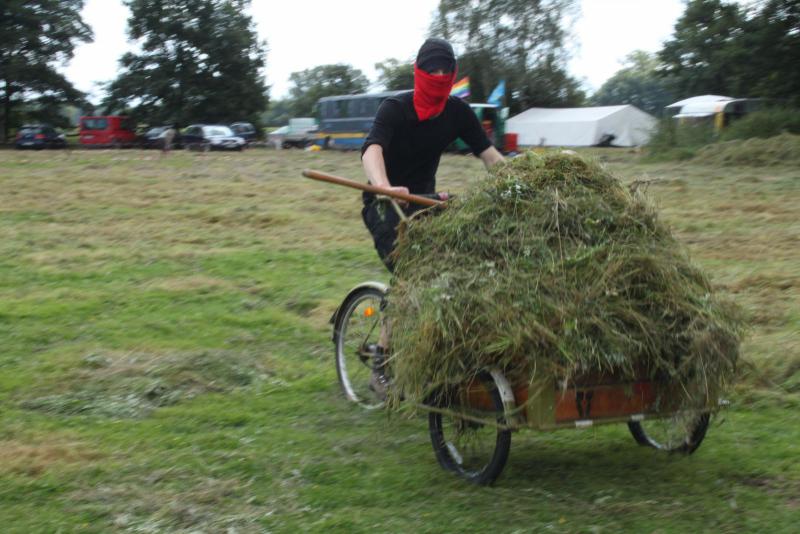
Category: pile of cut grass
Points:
column 552, row 268
column 783, row 149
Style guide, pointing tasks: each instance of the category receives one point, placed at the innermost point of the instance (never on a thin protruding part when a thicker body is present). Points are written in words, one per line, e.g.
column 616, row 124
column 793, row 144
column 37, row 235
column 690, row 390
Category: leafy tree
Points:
column 699, row 56
column 36, row 36
column 200, row 61
column 278, row 114
column 771, row 39
column 395, row 75
column 636, row 83
column 310, row 85
column 547, row 85
column 519, row 41
column 724, row 48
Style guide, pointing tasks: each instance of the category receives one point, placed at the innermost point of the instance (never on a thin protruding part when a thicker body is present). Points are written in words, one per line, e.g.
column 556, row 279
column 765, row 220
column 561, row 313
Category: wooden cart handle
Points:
column 414, row 199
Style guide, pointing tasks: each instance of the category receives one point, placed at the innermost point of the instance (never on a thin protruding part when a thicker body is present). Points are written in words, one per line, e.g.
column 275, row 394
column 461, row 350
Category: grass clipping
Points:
column 551, row 268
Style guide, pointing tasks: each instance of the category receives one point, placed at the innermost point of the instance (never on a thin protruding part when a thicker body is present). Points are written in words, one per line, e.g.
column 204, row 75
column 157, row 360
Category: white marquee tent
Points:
column 629, row 125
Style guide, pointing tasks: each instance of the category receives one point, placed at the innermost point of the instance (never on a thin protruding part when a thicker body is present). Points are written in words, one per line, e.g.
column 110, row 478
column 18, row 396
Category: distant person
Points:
column 169, row 138
column 402, row 153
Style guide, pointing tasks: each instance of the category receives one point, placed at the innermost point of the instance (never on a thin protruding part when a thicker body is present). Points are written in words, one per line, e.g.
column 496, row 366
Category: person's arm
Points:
column 491, row 157
column 375, row 168
column 380, row 136
column 472, row 133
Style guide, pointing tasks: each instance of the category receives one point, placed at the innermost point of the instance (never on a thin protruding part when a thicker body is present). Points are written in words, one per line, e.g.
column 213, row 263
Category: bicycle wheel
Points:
column 356, row 334
column 681, row 433
column 474, row 451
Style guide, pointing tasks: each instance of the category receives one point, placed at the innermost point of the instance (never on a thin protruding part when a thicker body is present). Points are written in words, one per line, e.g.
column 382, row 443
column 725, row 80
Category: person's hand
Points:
column 400, row 189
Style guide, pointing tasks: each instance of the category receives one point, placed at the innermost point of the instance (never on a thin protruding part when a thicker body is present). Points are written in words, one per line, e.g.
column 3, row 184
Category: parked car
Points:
column 39, row 136
column 107, row 130
column 300, row 132
column 277, row 136
column 211, row 137
column 154, row 138
column 245, row 130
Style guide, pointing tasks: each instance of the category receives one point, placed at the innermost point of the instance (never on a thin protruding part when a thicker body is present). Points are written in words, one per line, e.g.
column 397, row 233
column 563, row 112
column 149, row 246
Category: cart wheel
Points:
column 356, row 334
column 682, row 433
column 474, row 451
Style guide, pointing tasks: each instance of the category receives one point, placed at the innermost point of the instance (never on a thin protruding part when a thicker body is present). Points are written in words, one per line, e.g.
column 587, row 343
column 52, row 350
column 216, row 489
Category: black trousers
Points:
column 381, row 220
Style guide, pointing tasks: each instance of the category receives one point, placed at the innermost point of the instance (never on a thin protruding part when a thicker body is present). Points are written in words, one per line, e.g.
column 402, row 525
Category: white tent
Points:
column 629, row 125
column 698, row 100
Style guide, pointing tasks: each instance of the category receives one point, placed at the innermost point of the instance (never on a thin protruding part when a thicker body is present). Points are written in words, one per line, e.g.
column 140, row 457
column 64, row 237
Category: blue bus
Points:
column 345, row 121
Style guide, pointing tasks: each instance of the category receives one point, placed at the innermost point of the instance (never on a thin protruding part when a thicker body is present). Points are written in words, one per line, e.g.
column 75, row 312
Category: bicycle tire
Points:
column 353, row 366
column 447, row 452
column 688, row 436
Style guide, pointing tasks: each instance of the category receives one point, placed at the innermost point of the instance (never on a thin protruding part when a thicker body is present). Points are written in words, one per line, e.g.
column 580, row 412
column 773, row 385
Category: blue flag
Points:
column 498, row 93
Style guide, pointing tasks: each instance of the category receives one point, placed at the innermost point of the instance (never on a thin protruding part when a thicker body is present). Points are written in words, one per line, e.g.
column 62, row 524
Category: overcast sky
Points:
column 361, row 33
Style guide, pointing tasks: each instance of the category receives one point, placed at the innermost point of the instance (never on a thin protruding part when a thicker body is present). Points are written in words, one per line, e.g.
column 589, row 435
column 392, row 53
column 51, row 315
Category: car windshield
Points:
column 95, row 124
column 217, row 131
column 156, row 131
column 281, row 131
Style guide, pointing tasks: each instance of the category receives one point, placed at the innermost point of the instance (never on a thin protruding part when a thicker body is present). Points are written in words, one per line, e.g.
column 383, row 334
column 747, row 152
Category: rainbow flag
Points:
column 461, row 88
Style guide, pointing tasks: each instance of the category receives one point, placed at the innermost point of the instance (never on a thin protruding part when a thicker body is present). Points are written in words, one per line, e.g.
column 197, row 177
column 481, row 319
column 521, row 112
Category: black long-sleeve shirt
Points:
column 412, row 148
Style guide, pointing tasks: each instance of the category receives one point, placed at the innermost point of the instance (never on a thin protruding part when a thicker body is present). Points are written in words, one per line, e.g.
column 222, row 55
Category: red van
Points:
column 107, row 130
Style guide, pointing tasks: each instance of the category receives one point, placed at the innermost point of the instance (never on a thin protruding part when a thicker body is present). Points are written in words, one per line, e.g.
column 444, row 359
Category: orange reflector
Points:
column 369, row 312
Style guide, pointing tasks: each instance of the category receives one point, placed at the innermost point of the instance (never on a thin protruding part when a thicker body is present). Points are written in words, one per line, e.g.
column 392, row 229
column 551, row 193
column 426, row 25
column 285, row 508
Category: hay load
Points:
column 552, row 268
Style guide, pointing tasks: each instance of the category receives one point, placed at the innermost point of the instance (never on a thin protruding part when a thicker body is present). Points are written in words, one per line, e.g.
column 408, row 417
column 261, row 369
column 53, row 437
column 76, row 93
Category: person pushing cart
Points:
column 402, row 152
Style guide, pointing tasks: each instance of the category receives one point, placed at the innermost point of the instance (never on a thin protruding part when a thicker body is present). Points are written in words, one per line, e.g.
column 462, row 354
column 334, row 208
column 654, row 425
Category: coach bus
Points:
column 345, row 121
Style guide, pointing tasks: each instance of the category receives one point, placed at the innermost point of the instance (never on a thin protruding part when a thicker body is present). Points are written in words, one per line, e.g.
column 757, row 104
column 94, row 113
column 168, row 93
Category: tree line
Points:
column 717, row 47
column 202, row 60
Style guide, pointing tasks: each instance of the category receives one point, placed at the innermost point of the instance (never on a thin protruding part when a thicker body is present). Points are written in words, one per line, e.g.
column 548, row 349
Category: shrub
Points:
column 675, row 140
column 764, row 124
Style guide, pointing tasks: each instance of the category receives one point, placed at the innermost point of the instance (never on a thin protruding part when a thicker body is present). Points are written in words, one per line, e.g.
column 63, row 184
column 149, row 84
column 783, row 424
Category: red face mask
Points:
column 431, row 92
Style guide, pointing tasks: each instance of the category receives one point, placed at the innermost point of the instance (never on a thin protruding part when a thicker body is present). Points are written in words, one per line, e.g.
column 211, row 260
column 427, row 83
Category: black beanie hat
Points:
column 435, row 54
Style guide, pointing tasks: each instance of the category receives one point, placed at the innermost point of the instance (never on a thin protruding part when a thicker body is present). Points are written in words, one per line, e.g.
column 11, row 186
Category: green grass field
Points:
column 166, row 364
